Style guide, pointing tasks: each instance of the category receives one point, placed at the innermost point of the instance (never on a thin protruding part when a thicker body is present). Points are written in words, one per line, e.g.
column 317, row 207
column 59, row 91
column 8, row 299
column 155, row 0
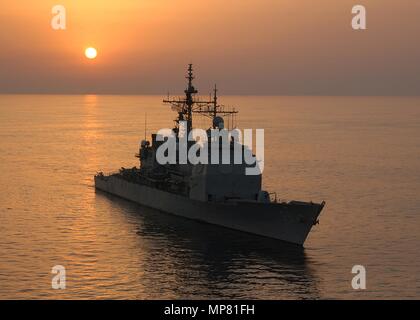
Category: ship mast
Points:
column 189, row 92
column 215, row 106
column 189, row 105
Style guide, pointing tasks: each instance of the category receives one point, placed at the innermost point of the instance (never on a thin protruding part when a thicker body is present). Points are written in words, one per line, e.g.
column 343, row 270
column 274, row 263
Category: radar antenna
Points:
column 189, row 105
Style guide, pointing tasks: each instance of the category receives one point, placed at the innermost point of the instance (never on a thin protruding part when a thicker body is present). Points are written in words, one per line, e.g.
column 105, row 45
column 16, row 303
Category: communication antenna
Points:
column 190, row 105
column 145, row 126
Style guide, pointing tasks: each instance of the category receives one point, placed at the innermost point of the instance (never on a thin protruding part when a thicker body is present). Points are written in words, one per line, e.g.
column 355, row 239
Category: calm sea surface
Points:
column 361, row 155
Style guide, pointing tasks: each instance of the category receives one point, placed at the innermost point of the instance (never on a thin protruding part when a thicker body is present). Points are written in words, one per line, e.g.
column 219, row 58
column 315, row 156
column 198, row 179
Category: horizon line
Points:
column 230, row 94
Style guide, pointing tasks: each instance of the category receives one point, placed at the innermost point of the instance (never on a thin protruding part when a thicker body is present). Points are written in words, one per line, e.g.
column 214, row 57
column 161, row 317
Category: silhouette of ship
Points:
column 219, row 194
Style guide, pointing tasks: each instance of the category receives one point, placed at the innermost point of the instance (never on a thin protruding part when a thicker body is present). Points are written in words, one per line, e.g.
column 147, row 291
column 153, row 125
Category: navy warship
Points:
column 219, row 194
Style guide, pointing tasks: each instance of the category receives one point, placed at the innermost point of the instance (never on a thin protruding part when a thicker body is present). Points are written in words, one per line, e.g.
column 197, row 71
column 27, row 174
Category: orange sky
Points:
column 247, row 46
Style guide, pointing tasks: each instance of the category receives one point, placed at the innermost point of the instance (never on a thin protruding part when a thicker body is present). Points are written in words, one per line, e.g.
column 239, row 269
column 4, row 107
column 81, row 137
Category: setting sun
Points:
column 91, row 53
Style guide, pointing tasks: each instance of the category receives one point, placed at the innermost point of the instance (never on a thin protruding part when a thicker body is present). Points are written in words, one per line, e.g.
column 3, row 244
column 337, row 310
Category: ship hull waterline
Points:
column 290, row 222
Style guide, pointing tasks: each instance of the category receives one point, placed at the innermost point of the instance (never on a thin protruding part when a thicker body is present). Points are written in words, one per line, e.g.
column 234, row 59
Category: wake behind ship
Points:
column 219, row 194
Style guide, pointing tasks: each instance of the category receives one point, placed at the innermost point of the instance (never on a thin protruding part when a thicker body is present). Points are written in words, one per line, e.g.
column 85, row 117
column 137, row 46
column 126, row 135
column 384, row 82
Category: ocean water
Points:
column 360, row 154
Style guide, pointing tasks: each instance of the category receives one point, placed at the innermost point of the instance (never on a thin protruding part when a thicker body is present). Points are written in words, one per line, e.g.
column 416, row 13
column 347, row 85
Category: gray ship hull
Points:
column 290, row 222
